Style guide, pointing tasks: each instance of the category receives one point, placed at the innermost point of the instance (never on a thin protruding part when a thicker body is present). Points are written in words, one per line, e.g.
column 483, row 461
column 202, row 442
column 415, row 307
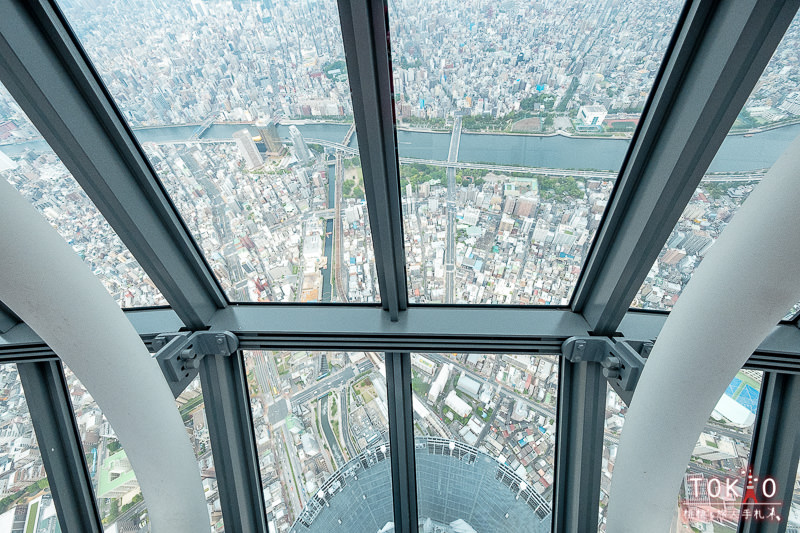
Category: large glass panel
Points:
column 116, row 489
column 25, row 500
column 485, row 441
column 244, row 110
column 193, row 411
column 321, row 426
column 720, row 455
column 31, row 166
column 762, row 131
column 118, row 495
column 514, row 118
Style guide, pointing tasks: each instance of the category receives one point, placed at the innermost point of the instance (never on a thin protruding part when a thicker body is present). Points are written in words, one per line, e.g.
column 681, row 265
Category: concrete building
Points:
column 301, row 150
column 248, row 149
column 459, row 406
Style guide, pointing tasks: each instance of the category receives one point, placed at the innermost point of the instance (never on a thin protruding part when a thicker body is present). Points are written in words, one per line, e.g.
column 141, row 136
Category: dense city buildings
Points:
column 513, row 120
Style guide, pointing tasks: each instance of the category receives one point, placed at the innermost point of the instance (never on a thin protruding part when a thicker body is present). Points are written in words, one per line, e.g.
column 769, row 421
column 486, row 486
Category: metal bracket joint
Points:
column 179, row 354
column 622, row 359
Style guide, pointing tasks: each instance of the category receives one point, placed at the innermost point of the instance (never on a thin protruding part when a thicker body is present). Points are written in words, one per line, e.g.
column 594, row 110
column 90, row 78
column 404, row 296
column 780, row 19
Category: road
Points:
column 338, row 269
column 266, row 373
column 291, row 470
column 333, row 442
column 324, row 386
column 348, row 443
column 450, row 247
column 488, row 423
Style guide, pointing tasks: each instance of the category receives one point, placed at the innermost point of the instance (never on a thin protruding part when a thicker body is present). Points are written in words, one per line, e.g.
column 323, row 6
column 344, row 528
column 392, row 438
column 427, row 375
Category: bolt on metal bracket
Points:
column 179, row 354
column 622, row 359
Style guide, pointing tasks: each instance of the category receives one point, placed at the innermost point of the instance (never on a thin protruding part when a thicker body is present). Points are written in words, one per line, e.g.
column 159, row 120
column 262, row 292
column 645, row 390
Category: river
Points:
column 738, row 153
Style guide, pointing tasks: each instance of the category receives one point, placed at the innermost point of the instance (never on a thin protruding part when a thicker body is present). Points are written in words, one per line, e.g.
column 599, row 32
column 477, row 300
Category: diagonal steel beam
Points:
column 44, row 68
column 714, row 60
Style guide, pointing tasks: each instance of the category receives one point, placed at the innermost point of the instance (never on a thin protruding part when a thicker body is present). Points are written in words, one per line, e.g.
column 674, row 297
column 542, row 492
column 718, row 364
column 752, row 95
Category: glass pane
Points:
column 615, row 419
column 321, row 426
column 31, row 166
column 244, row 110
column 192, row 409
column 511, row 133
column 118, row 495
column 721, row 454
column 116, row 489
column 762, row 131
column 25, row 500
column 485, row 441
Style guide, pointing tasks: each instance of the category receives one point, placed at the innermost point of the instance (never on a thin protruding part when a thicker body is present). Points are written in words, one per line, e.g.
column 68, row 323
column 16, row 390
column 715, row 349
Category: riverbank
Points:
column 739, row 152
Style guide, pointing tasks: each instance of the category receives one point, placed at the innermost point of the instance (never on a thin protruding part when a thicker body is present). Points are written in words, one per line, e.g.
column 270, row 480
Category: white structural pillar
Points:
column 744, row 286
column 48, row 286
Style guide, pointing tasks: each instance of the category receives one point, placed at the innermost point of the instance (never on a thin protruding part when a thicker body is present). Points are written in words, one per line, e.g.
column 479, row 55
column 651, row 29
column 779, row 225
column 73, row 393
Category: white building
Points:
column 713, row 448
column 301, row 150
column 592, row 115
column 247, row 148
column 438, row 384
column 454, row 402
column 467, row 385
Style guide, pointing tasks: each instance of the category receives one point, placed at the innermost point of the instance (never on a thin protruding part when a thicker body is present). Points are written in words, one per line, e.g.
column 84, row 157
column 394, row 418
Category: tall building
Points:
column 301, row 150
column 248, row 149
column 268, row 129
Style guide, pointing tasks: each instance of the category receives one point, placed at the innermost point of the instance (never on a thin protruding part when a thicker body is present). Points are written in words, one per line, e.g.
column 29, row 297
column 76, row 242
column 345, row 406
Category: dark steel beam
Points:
column 233, row 442
column 714, row 60
column 401, row 441
column 579, row 446
column 46, row 71
column 7, row 319
column 47, row 396
column 365, row 33
column 776, row 449
column 424, row 329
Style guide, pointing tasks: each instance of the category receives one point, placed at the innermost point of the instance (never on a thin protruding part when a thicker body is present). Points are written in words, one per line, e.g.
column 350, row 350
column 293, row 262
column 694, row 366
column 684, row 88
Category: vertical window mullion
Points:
column 365, row 36
column 233, row 445
column 401, row 441
column 775, row 450
column 60, row 444
column 579, row 446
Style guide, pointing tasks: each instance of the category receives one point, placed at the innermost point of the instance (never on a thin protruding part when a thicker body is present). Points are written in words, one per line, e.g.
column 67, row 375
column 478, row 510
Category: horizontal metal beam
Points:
column 422, row 329
column 44, row 68
column 47, row 396
column 447, row 329
column 365, row 36
column 713, row 62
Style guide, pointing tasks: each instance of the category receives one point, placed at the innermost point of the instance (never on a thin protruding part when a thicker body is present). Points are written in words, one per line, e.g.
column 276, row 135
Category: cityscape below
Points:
column 513, row 121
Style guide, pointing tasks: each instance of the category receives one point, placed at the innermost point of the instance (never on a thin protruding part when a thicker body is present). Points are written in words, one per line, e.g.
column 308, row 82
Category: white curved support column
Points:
column 739, row 292
column 48, row 286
